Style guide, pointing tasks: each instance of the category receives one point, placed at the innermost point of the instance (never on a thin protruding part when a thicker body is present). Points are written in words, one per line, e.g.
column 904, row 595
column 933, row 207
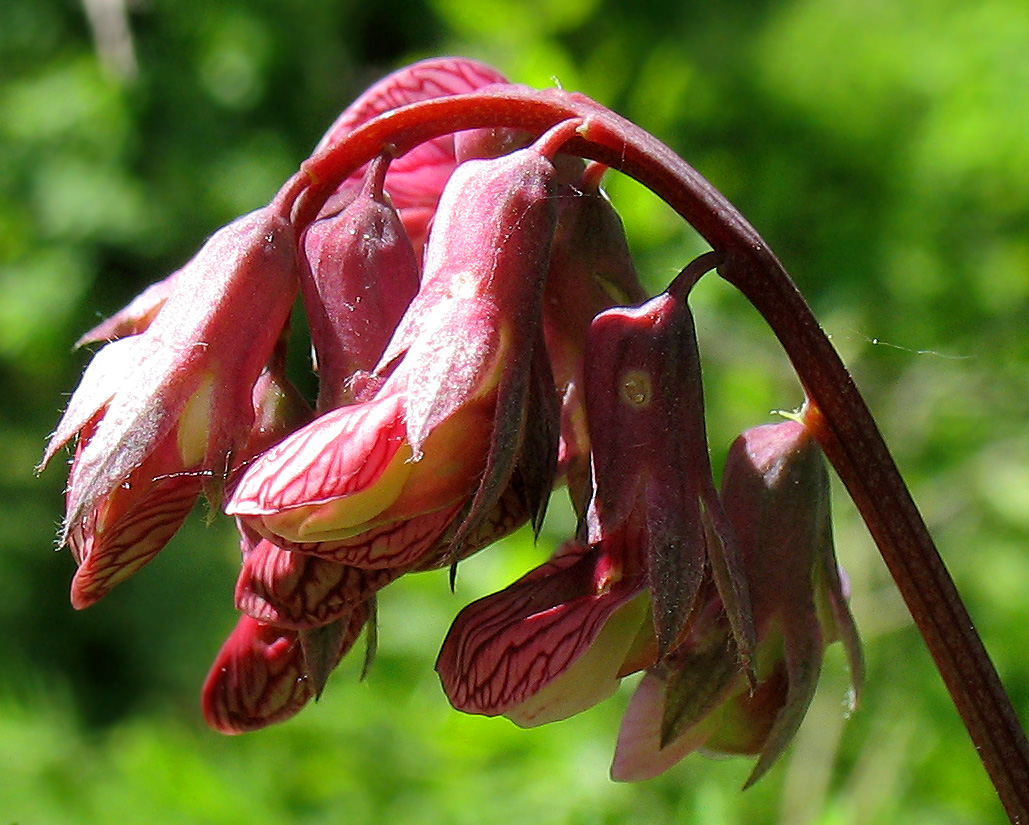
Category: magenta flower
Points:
column 164, row 412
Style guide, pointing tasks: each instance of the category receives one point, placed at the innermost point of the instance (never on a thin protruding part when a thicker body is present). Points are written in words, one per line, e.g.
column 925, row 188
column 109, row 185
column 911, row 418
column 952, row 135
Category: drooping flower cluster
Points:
column 480, row 336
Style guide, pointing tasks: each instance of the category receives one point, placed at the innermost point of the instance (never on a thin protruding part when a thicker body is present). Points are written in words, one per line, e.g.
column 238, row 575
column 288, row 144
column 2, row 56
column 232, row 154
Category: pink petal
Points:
column 112, row 554
column 436, row 77
column 297, row 590
column 505, row 648
column 210, row 329
column 638, row 754
column 397, row 545
column 258, row 679
column 135, row 317
column 340, row 454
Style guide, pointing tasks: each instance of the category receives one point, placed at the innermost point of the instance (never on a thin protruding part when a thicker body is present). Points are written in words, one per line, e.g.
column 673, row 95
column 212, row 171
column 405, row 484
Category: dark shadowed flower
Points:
column 776, row 493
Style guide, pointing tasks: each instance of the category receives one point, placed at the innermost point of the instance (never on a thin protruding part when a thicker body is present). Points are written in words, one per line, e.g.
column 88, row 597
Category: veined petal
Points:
column 118, row 539
column 591, row 678
column 394, row 545
column 330, row 476
column 132, row 523
column 258, row 678
column 436, row 77
column 504, row 649
column 293, row 589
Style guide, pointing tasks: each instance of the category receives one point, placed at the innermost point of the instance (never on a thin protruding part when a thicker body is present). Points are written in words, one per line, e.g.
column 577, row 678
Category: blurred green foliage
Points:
column 882, row 149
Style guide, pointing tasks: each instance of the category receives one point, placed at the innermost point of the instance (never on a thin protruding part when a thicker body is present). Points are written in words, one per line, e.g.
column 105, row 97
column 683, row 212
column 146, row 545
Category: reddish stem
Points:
column 837, row 414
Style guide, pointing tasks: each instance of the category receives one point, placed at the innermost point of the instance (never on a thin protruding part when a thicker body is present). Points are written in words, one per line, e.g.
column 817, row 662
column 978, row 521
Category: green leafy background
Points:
column 882, row 148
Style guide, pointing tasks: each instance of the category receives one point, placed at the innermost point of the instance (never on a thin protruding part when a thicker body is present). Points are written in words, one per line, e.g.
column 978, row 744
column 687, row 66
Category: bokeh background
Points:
column 882, row 148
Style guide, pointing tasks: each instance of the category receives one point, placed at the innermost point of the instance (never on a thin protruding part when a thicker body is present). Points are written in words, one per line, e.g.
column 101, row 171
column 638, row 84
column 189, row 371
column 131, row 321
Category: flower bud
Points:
column 645, row 411
column 360, row 275
column 263, row 675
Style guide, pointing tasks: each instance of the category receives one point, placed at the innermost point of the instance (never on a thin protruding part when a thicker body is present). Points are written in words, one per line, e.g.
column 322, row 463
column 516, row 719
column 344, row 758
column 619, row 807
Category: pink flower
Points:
column 415, row 180
column 359, row 276
column 190, row 374
column 161, row 401
column 467, row 405
column 265, row 674
column 550, row 645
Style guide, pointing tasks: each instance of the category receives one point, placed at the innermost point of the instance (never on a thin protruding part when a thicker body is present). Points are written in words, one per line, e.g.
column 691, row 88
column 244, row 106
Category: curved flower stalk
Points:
column 480, row 335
